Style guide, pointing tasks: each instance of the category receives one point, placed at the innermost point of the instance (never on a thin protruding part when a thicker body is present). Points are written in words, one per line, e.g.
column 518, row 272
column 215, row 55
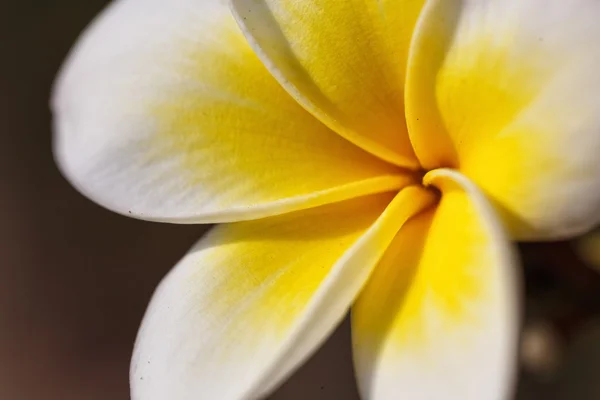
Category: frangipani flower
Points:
column 367, row 154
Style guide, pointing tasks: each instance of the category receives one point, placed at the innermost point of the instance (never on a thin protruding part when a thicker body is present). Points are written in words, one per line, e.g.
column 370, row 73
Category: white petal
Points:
column 163, row 112
column 508, row 91
column 438, row 319
column 254, row 299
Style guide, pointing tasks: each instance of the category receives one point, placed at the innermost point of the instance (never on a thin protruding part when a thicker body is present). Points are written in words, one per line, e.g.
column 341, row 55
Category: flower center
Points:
column 419, row 175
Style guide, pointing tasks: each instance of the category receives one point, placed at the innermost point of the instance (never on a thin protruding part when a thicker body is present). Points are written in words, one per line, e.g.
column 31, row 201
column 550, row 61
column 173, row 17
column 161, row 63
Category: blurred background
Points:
column 75, row 279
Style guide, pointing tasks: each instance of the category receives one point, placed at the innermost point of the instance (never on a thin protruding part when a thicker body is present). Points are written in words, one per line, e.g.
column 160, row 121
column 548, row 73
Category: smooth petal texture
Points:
column 438, row 319
column 253, row 299
column 163, row 112
column 344, row 61
column 507, row 91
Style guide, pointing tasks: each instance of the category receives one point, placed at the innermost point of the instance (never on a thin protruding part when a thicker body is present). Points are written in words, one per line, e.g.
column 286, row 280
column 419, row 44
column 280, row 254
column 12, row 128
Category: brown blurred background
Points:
column 75, row 279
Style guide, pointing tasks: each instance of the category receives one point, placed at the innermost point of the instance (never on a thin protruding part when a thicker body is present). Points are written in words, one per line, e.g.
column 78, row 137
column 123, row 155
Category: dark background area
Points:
column 75, row 279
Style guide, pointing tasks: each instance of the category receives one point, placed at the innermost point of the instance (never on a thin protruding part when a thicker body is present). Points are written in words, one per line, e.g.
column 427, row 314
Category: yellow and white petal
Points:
column 438, row 319
column 164, row 112
column 344, row 61
column 253, row 299
column 507, row 90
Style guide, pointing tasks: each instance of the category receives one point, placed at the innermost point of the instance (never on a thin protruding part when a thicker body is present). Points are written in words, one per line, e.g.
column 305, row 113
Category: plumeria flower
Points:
column 372, row 155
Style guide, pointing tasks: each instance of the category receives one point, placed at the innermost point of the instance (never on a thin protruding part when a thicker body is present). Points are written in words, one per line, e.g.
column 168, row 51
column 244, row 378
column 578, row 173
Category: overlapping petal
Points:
column 164, row 112
column 507, row 91
column 438, row 318
column 344, row 61
column 253, row 299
